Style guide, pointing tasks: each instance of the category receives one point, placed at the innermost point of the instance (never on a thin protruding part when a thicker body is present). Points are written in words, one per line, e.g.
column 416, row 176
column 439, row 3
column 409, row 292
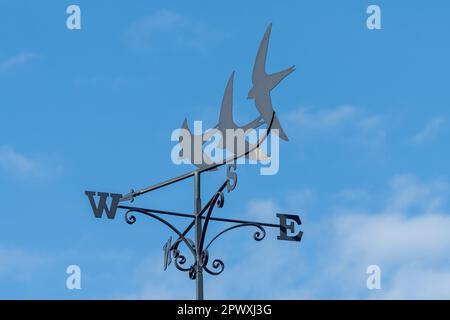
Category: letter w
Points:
column 102, row 205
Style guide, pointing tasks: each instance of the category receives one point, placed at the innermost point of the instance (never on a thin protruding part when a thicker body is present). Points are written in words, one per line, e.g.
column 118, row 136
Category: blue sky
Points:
column 366, row 166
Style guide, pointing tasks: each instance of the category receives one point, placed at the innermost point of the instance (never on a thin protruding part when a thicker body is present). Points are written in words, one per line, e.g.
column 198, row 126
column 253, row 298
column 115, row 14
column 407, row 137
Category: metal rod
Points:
column 133, row 194
column 198, row 235
column 186, row 215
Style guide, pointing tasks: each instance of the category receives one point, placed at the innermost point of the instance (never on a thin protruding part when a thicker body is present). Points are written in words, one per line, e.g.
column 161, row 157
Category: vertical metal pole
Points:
column 198, row 235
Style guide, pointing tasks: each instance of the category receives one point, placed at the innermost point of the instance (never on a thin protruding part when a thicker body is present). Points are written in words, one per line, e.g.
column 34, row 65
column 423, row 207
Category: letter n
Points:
column 102, row 205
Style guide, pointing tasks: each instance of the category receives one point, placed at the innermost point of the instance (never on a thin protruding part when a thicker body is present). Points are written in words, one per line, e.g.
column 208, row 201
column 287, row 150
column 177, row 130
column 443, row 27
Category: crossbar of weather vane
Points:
column 187, row 215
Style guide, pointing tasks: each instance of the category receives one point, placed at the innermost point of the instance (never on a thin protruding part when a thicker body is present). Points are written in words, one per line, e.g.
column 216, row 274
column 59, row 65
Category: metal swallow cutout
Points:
column 263, row 84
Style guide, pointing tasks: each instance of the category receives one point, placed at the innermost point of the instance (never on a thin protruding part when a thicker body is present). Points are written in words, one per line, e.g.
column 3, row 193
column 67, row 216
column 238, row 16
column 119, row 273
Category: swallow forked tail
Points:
column 278, row 130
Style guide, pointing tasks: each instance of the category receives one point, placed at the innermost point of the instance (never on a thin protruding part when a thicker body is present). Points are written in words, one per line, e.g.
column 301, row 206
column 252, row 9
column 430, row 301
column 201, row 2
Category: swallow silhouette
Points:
column 194, row 141
column 226, row 121
column 263, row 83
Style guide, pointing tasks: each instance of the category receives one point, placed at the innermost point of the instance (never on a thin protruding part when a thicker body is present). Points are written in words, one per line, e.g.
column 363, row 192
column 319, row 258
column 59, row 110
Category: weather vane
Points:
column 199, row 247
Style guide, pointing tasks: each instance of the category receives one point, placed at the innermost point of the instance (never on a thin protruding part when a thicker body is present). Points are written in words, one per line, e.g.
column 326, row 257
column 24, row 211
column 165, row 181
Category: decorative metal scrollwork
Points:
column 214, row 267
column 180, row 260
column 216, row 264
column 258, row 235
column 131, row 219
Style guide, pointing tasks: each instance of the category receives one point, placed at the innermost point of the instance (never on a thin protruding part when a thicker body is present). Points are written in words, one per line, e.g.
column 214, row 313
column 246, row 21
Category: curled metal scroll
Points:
column 180, row 260
column 131, row 219
column 258, row 235
column 217, row 264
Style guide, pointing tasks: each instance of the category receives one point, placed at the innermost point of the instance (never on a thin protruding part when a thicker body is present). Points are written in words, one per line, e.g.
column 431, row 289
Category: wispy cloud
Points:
column 262, row 209
column 353, row 195
column 18, row 165
column 155, row 283
column 412, row 195
column 408, row 238
column 324, row 119
column 18, row 60
column 431, row 130
column 19, row 264
column 15, row 163
column 113, row 82
column 359, row 124
column 165, row 29
column 371, row 130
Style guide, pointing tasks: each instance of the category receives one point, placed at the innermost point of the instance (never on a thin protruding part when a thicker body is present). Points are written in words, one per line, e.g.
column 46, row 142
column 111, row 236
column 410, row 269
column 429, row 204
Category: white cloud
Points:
column 408, row 238
column 155, row 283
column 390, row 239
column 269, row 269
column 356, row 123
column 411, row 252
column 265, row 209
column 262, row 209
column 409, row 194
column 15, row 164
column 165, row 29
column 17, row 60
column 161, row 20
column 371, row 129
column 301, row 199
column 419, row 283
column 431, row 130
column 353, row 195
column 19, row 264
column 324, row 119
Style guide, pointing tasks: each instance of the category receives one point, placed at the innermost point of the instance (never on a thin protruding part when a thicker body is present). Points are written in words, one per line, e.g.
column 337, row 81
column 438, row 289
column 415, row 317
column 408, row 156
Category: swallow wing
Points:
column 226, row 111
column 259, row 69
